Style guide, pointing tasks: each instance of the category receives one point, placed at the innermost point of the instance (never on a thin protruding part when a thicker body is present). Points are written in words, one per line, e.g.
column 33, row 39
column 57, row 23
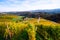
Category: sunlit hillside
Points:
column 9, row 18
column 14, row 27
column 43, row 22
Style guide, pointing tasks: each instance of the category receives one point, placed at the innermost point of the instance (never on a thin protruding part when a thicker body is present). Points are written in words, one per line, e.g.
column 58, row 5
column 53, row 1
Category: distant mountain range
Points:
column 49, row 11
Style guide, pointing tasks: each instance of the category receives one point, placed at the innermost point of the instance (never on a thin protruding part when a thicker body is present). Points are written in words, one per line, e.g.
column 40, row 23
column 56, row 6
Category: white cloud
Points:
column 19, row 5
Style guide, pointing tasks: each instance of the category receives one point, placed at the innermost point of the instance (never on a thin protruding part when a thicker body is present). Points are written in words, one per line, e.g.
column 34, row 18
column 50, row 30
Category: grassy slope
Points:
column 44, row 22
column 30, row 20
column 16, row 27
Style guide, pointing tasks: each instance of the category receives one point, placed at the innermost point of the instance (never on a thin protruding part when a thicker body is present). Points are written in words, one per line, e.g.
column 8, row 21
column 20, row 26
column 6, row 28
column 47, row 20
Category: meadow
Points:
column 13, row 27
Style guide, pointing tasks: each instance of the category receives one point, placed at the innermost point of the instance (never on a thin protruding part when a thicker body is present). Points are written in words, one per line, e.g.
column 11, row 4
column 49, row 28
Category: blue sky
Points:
column 25, row 5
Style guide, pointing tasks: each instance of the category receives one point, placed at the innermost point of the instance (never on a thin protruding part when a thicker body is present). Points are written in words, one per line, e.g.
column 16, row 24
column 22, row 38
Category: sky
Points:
column 26, row 5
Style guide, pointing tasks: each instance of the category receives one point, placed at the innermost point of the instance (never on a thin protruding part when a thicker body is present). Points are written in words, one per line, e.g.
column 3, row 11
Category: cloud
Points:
column 23, row 5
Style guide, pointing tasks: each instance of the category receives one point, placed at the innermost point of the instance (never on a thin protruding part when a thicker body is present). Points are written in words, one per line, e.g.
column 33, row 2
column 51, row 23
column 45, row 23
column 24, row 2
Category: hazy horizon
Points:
column 26, row 5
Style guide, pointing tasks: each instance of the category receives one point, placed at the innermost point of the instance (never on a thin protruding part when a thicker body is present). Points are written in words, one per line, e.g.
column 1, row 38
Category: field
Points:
column 14, row 27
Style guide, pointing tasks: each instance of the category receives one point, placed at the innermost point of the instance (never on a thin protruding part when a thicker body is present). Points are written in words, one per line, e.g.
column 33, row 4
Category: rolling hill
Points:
column 32, row 20
column 28, row 28
column 53, row 14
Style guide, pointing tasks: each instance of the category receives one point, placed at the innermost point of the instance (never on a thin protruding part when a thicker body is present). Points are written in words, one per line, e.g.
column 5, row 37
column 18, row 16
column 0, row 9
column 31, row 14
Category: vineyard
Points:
column 14, row 27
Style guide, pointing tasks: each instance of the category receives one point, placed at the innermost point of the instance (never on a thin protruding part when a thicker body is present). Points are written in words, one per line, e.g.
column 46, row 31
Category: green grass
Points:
column 42, row 33
column 33, row 31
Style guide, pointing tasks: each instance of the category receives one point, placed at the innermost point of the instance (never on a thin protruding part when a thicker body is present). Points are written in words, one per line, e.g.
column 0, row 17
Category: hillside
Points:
column 13, row 27
column 8, row 18
column 44, row 22
column 53, row 16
